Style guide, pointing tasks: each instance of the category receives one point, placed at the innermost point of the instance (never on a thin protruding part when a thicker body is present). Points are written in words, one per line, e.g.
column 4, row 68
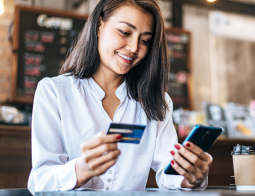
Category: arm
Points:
column 52, row 169
column 166, row 139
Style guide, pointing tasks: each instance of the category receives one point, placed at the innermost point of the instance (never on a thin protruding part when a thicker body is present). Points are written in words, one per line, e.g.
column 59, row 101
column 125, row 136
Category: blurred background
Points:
column 211, row 49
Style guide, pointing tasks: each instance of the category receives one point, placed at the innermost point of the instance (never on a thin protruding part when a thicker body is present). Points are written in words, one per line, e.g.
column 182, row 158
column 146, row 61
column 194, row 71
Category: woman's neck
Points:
column 108, row 80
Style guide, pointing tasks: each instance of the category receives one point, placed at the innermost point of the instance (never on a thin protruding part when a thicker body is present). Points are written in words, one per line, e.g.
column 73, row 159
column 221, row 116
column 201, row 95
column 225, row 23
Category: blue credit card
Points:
column 129, row 133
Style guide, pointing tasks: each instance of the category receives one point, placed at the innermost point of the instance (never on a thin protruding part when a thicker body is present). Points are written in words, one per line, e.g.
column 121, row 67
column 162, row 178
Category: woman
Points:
column 116, row 72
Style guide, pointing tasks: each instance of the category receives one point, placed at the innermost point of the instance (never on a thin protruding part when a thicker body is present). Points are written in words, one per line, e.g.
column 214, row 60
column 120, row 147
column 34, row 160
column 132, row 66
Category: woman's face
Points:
column 123, row 40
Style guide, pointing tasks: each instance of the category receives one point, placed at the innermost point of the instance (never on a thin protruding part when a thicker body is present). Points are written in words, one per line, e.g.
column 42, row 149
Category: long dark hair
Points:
column 147, row 81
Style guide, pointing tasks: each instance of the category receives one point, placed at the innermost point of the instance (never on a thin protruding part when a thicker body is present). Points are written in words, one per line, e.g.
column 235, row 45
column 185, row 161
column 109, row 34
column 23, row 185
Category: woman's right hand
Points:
column 98, row 155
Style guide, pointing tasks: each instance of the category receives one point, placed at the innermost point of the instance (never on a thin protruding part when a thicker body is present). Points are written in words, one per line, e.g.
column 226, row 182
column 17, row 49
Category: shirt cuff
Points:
column 174, row 182
column 66, row 176
column 67, row 179
column 179, row 180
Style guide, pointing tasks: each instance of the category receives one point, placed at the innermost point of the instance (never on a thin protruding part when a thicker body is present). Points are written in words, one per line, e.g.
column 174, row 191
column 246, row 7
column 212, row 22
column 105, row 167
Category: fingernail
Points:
column 172, row 152
column 172, row 162
column 119, row 137
column 177, row 147
column 188, row 144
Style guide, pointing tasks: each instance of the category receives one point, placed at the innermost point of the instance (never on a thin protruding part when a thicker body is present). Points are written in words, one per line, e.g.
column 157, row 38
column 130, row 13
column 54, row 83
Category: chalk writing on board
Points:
column 43, row 41
column 178, row 55
column 55, row 22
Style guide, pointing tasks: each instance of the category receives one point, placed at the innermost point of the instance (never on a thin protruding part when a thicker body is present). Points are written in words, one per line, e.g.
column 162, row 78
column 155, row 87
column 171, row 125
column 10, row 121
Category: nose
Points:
column 132, row 45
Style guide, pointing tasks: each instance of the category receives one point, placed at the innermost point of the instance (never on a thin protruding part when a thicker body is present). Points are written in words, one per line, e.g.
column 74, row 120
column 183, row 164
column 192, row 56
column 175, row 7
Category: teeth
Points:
column 125, row 57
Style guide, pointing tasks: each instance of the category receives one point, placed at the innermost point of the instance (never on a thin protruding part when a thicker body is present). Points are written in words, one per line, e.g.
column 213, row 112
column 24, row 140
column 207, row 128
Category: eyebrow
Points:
column 134, row 27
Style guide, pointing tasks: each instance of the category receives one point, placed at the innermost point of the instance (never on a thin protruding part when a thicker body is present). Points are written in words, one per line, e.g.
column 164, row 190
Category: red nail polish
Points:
column 172, row 152
column 172, row 162
column 177, row 147
column 119, row 137
column 188, row 144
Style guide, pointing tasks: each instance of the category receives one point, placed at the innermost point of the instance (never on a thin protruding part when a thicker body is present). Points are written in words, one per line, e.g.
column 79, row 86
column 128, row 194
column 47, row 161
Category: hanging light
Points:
column 211, row 0
column 1, row 7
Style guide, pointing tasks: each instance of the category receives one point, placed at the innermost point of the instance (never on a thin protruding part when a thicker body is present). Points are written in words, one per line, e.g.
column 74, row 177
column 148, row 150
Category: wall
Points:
column 195, row 20
column 6, row 50
column 235, row 62
column 222, row 67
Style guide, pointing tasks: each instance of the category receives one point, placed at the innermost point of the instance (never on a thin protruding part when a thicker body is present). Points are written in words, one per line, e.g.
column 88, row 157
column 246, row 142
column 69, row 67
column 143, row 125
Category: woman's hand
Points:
column 98, row 155
column 196, row 168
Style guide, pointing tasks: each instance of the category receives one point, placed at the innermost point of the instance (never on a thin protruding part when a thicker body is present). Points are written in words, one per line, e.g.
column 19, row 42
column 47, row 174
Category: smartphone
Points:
column 202, row 136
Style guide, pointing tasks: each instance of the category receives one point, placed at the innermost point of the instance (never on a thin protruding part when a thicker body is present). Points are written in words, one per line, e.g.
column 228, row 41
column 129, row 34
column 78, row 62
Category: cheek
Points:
column 110, row 41
column 103, row 43
column 117, row 41
column 141, row 55
column 143, row 51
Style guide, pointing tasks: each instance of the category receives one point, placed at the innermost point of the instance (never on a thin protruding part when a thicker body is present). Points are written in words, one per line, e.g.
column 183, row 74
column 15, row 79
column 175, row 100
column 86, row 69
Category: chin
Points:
column 122, row 71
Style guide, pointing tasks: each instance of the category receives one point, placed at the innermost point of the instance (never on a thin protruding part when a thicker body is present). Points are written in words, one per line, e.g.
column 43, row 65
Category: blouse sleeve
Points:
column 51, row 168
column 166, row 138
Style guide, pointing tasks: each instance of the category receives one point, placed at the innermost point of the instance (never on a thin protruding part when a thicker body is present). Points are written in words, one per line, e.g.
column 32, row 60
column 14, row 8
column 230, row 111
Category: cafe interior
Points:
column 211, row 47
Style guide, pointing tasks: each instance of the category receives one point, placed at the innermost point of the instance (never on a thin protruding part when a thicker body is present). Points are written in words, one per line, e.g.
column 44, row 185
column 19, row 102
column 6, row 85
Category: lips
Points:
column 125, row 58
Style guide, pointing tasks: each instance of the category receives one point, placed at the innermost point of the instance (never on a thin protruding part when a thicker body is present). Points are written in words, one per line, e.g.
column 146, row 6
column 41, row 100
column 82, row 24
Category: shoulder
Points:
column 169, row 103
column 59, row 87
column 167, row 122
column 60, row 82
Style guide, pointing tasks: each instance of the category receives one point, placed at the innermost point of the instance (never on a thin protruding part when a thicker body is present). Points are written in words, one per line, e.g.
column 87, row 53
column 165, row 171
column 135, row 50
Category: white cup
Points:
column 244, row 167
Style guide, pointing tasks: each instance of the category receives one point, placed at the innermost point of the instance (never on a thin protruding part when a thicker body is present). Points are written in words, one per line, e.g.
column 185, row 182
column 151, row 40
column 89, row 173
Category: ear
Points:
column 99, row 25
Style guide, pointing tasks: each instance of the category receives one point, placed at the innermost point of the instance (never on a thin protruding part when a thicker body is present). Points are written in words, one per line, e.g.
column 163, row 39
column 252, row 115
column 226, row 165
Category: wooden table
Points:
column 15, row 156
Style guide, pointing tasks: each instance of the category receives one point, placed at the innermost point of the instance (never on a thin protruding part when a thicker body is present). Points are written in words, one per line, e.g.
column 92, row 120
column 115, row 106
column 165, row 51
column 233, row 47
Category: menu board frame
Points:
column 188, row 64
column 18, row 10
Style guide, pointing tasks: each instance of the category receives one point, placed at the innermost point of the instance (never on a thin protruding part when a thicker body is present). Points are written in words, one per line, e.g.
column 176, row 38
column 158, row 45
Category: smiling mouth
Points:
column 125, row 59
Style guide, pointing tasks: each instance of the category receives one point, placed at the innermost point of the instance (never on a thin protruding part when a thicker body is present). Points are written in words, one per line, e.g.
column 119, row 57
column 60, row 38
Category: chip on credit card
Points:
column 129, row 133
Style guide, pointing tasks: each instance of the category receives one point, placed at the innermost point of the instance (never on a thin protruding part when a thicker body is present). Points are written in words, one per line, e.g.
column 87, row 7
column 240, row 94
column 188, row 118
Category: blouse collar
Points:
column 99, row 93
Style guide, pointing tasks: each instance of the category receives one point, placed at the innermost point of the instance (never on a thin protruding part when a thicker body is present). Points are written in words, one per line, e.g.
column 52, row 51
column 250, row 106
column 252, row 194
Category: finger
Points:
column 210, row 158
column 186, row 165
column 93, row 164
column 104, row 167
column 198, row 151
column 189, row 177
column 98, row 135
column 98, row 151
column 97, row 141
column 190, row 156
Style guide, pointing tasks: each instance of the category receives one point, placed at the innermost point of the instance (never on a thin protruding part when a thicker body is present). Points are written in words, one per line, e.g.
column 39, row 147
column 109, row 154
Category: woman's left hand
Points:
column 196, row 168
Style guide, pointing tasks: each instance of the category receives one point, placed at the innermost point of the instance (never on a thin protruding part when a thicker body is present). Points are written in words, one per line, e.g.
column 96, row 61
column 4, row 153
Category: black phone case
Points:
column 203, row 137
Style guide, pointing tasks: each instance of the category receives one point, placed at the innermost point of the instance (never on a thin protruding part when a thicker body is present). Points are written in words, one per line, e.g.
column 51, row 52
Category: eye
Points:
column 124, row 33
column 145, row 42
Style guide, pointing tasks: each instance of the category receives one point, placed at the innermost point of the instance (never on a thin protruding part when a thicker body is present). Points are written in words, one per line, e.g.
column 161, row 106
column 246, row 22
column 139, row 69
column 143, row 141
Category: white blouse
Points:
column 68, row 111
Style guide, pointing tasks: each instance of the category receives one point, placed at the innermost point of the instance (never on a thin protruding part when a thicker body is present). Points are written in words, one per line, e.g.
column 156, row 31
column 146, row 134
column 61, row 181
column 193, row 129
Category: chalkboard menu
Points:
column 178, row 44
column 41, row 40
